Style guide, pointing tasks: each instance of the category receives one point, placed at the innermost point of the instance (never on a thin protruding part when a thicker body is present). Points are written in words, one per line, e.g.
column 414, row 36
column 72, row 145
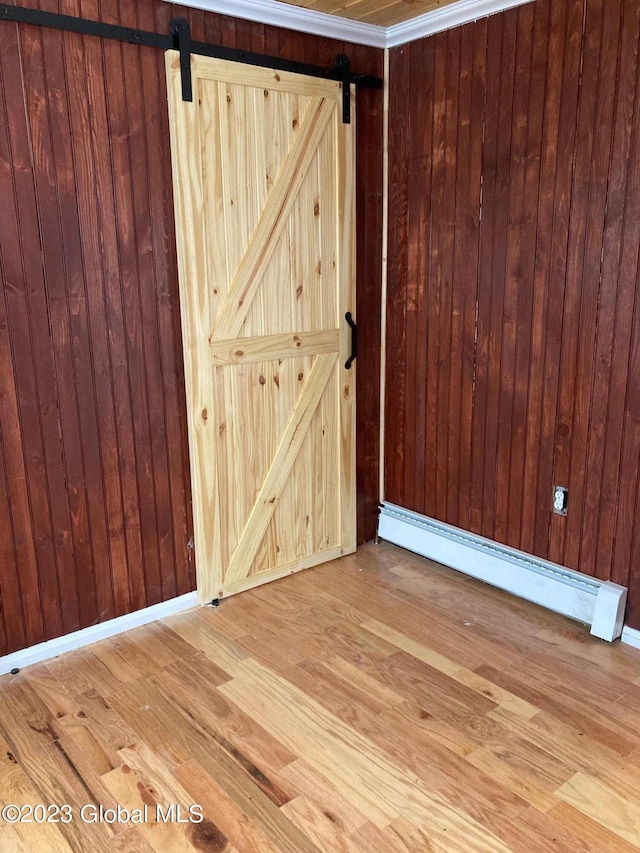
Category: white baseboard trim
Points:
column 78, row 639
column 599, row 604
column 630, row 636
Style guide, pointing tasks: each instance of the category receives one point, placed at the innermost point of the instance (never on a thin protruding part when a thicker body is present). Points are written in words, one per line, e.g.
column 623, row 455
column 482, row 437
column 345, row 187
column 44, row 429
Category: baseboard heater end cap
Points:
column 608, row 615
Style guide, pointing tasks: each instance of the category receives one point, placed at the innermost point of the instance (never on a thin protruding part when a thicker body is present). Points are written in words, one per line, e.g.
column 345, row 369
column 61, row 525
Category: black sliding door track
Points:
column 180, row 39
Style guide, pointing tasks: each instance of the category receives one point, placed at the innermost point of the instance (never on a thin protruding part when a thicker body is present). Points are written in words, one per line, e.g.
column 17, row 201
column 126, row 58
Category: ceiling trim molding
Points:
column 332, row 26
column 446, row 18
column 295, row 18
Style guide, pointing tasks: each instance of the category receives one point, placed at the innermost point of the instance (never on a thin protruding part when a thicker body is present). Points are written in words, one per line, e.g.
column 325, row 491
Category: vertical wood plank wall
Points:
column 513, row 319
column 94, row 485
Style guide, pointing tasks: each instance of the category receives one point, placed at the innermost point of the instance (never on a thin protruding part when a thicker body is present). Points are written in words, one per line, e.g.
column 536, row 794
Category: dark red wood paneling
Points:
column 513, row 343
column 94, row 478
column 397, row 290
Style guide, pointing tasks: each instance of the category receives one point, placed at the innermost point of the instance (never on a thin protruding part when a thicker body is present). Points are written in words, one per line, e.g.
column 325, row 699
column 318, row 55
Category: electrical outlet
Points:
column 560, row 500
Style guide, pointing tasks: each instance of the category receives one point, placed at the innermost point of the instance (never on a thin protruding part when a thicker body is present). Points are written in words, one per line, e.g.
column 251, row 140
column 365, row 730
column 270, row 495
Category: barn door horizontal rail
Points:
column 180, row 39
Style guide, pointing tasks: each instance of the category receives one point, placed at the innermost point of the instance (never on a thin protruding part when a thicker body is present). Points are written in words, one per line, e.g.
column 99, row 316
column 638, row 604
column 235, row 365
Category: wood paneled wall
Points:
column 94, row 485
column 514, row 322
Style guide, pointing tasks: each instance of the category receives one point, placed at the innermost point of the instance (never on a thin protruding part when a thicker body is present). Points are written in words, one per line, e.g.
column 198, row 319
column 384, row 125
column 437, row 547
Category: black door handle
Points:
column 354, row 340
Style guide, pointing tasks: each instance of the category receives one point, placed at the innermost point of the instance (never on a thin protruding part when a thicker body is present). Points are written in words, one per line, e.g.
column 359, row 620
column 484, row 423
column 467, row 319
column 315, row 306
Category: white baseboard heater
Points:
column 599, row 604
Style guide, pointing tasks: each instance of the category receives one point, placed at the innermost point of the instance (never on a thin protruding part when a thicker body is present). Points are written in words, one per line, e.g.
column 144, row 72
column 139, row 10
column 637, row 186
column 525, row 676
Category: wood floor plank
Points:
column 235, row 731
column 11, row 841
column 161, row 643
column 91, row 762
column 131, row 841
column 411, row 716
column 561, row 704
column 434, row 765
column 442, row 772
column 51, row 691
column 400, row 836
column 16, row 789
column 591, row 688
column 224, row 811
column 56, row 780
column 69, row 672
column 199, row 629
column 316, row 824
column 589, row 834
column 523, row 780
column 412, row 647
column 200, row 741
column 566, row 828
column 379, row 702
column 406, row 616
column 134, row 710
column 21, row 709
column 299, row 776
column 332, row 747
column 569, row 641
column 374, row 690
column 459, row 673
column 130, row 651
column 135, row 785
column 564, row 741
column 105, row 672
column 620, row 815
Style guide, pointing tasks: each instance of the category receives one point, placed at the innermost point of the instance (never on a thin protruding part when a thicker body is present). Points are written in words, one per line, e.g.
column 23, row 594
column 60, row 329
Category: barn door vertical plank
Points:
column 197, row 312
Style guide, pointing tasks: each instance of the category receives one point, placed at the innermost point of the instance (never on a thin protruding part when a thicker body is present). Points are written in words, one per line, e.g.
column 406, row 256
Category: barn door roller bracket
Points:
column 343, row 66
column 181, row 32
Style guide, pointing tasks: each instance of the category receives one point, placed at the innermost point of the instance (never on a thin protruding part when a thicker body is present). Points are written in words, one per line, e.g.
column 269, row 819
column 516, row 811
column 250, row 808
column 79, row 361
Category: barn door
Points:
column 263, row 183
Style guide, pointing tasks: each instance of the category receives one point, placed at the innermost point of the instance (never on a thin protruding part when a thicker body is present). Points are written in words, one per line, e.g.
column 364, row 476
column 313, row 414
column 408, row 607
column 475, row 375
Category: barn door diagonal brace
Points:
column 180, row 39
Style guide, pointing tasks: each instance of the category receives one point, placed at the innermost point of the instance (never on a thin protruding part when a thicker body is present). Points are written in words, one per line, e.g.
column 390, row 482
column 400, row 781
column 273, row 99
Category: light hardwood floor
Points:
column 378, row 703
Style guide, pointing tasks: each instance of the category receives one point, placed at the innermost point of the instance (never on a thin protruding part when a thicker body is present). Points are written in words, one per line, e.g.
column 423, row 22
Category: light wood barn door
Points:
column 263, row 173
